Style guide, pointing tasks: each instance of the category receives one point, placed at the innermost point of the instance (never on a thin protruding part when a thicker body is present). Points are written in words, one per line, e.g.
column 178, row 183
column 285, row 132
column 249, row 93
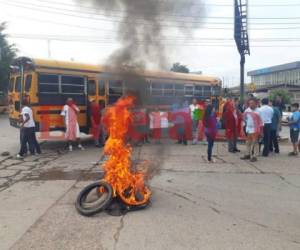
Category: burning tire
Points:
column 91, row 201
column 140, row 207
column 131, row 198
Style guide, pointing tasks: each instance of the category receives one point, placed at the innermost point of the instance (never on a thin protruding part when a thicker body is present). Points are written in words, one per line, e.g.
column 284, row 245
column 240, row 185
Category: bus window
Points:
column 101, row 86
column 18, row 84
column 188, row 90
column 48, row 84
column 28, row 83
column 213, row 91
column 92, row 87
column 148, row 88
column 198, row 91
column 157, row 89
column 72, row 85
column 168, row 89
column 216, row 90
column 207, row 91
column 11, row 84
column 115, row 88
column 179, row 90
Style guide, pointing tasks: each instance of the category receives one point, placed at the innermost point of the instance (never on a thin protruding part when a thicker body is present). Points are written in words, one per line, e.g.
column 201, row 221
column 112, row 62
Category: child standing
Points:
column 294, row 123
column 210, row 125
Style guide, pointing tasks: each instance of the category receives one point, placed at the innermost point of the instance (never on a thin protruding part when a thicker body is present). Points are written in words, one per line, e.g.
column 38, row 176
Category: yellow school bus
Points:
column 48, row 83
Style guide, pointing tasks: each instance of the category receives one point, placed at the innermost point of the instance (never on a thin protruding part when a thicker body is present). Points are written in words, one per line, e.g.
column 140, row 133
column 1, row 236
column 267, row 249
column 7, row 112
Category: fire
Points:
column 129, row 186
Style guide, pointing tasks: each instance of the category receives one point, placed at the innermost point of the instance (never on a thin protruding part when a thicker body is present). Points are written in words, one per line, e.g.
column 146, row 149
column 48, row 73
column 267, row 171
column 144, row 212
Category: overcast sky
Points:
column 39, row 28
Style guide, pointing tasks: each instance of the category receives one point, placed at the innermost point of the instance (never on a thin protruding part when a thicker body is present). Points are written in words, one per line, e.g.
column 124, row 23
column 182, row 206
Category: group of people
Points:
column 256, row 121
column 28, row 139
column 263, row 125
column 259, row 122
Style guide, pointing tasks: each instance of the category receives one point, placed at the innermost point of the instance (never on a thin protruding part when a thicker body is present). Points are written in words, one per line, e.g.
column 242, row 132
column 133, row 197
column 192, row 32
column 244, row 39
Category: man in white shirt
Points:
column 266, row 113
column 27, row 126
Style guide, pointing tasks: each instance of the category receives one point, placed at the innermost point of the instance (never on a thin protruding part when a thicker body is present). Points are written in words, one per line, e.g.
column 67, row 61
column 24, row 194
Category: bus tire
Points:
column 90, row 208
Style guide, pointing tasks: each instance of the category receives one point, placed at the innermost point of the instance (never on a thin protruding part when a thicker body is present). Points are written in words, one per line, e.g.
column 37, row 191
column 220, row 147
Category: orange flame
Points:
column 129, row 186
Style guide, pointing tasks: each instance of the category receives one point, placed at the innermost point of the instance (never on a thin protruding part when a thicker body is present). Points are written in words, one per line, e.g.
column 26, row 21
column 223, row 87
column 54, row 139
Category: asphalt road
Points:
column 231, row 204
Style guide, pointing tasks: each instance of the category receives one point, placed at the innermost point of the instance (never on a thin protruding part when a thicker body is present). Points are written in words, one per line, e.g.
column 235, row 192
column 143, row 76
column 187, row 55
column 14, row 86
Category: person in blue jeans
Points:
column 210, row 125
column 27, row 133
column 294, row 123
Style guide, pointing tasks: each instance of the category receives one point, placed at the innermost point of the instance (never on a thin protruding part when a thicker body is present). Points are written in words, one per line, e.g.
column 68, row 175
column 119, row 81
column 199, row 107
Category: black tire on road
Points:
column 87, row 208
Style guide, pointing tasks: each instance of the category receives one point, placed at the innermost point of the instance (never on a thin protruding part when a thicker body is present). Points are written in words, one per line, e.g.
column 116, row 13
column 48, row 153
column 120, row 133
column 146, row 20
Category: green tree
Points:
column 7, row 55
column 177, row 67
column 282, row 93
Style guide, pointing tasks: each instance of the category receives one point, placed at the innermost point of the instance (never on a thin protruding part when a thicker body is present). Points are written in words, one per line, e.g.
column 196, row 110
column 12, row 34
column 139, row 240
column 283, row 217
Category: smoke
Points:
column 144, row 25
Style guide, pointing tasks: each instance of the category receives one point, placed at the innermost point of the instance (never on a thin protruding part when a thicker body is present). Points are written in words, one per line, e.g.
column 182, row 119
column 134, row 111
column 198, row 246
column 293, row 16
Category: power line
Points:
column 276, row 28
column 95, row 13
column 116, row 31
column 164, row 39
column 187, row 45
column 204, row 4
column 96, row 17
column 276, row 23
column 177, row 26
column 102, row 29
column 39, row 8
column 94, row 28
column 73, row 25
column 109, row 42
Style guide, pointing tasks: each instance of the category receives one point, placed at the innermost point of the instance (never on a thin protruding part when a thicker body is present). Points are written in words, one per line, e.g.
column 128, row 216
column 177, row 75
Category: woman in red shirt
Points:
column 231, row 126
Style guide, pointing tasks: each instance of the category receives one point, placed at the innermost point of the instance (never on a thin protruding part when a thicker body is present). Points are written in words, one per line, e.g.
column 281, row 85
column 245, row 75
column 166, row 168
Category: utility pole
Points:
column 49, row 48
column 241, row 38
column 242, row 77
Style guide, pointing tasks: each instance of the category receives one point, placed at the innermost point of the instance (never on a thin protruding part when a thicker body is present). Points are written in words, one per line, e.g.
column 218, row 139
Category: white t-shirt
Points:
column 65, row 114
column 250, row 126
column 193, row 107
column 30, row 123
column 266, row 114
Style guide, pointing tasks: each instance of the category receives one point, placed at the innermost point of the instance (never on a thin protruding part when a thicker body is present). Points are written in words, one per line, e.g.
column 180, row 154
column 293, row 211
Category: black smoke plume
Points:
column 143, row 30
column 143, row 25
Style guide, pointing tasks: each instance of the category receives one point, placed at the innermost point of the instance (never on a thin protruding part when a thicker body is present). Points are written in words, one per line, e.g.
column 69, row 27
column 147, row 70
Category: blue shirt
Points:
column 295, row 117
